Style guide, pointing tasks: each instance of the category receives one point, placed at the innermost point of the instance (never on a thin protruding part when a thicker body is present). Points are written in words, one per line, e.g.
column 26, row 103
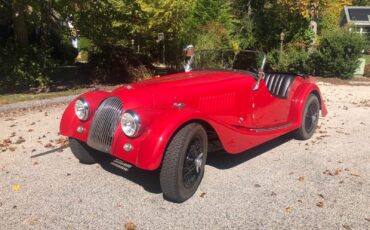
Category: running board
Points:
column 272, row 128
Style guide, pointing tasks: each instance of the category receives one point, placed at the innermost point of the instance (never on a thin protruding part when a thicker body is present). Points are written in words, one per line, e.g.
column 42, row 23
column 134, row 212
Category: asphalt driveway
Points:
column 284, row 184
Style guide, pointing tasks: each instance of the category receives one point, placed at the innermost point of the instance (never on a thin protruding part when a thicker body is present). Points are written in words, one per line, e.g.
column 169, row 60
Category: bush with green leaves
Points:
column 21, row 69
column 338, row 54
column 117, row 64
column 292, row 59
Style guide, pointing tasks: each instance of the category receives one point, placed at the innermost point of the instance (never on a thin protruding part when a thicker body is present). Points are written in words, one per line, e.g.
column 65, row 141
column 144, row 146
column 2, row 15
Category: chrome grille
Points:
column 104, row 124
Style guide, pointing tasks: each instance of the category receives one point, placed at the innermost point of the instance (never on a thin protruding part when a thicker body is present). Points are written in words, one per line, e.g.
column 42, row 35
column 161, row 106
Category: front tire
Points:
column 84, row 153
column 184, row 162
column 310, row 118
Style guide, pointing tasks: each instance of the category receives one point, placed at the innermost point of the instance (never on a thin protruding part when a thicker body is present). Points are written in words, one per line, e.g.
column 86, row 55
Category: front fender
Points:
column 160, row 133
column 70, row 122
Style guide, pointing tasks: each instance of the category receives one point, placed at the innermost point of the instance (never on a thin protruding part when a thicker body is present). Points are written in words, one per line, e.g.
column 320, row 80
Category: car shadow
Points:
column 149, row 180
column 223, row 160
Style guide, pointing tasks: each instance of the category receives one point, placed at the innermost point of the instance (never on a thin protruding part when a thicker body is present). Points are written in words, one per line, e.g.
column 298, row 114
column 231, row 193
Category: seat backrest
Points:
column 279, row 83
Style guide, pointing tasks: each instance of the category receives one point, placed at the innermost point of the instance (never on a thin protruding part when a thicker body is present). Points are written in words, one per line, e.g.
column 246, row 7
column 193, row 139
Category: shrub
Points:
column 293, row 59
column 117, row 64
column 338, row 54
column 21, row 69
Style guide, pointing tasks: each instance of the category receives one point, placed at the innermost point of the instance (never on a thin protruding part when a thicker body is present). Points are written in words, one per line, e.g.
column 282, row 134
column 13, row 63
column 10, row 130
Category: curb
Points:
column 36, row 103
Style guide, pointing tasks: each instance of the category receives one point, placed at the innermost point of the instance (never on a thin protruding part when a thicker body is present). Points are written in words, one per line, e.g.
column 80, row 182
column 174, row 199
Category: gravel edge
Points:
column 36, row 103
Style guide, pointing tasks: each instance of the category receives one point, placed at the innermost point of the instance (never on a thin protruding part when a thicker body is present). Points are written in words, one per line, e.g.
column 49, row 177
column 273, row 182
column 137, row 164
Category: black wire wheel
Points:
column 310, row 118
column 184, row 162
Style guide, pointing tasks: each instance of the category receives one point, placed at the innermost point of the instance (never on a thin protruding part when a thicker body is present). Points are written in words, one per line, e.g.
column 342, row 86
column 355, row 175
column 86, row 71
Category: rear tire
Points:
column 310, row 119
column 84, row 153
column 184, row 162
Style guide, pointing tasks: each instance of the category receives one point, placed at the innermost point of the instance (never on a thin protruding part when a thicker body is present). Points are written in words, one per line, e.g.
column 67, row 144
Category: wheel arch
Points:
column 302, row 96
column 152, row 156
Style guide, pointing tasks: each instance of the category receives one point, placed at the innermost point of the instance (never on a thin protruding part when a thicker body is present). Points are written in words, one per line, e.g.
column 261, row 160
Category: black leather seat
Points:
column 279, row 83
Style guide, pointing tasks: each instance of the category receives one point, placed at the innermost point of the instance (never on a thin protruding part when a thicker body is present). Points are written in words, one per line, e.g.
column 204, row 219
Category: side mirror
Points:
column 261, row 73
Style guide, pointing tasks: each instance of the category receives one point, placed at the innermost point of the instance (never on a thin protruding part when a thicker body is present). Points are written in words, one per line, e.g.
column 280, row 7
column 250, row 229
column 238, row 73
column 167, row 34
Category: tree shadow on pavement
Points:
column 59, row 149
column 223, row 160
column 149, row 180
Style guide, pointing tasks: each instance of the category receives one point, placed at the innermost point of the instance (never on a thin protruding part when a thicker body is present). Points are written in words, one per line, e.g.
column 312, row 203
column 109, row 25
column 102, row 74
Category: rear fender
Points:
column 299, row 101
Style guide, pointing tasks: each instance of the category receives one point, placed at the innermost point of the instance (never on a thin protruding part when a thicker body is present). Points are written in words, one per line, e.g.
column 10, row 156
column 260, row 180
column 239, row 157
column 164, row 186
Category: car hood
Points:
column 183, row 87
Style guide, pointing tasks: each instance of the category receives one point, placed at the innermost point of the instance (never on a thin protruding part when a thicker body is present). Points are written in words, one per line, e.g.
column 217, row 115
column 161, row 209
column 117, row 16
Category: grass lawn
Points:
column 367, row 58
column 18, row 97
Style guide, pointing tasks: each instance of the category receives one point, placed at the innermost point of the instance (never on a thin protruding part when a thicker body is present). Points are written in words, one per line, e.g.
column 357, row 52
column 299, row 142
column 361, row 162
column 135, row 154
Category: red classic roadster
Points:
column 170, row 122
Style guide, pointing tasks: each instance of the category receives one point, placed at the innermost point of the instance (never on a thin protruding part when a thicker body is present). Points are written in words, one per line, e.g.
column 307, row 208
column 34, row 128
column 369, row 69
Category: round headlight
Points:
column 130, row 123
column 82, row 109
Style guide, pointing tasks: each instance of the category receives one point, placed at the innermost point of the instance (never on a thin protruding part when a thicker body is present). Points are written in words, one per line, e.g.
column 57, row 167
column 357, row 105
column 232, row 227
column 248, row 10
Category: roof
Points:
column 357, row 15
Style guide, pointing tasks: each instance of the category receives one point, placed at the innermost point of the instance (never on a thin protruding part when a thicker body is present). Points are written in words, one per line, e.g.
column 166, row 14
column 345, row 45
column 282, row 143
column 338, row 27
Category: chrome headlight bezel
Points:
column 130, row 123
column 82, row 109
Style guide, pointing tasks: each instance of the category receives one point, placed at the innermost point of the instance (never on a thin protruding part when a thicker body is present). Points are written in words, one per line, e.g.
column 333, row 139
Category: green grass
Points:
column 18, row 97
column 367, row 58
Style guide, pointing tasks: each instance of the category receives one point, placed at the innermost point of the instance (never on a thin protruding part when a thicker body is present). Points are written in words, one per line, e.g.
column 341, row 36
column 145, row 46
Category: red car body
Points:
column 223, row 101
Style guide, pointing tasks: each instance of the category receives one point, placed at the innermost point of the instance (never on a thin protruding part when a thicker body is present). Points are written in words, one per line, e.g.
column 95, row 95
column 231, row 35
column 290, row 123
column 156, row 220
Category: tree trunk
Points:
column 45, row 21
column 20, row 26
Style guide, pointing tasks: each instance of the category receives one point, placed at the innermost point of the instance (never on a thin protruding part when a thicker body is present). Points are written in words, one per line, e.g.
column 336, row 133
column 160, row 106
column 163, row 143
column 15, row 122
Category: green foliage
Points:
column 292, row 59
column 117, row 64
column 20, row 69
column 361, row 2
column 338, row 54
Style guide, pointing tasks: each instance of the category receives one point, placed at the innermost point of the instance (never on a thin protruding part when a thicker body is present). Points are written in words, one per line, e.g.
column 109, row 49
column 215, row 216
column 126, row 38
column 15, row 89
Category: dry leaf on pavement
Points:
column 130, row 226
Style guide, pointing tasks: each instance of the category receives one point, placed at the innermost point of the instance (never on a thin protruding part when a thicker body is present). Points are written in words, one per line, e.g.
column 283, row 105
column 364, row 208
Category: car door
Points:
column 268, row 110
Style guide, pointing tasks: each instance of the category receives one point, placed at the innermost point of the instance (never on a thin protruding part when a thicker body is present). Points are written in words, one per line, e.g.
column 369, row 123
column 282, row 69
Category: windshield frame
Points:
column 257, row 68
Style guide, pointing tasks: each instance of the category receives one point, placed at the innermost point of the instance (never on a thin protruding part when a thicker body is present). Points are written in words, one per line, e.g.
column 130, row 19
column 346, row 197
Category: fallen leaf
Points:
column 338, row 171
column 20, row 140
column 130, row 226
column 202, row 194
column 48, row 145
column 367, row 219
column 320, row 204
column 301, row 178
column 12, row 149
column 288, row 209
column 16, row 187
column 346, row 227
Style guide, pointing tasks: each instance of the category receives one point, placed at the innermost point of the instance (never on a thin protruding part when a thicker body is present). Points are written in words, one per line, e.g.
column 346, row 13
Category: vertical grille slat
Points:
column 104, row 124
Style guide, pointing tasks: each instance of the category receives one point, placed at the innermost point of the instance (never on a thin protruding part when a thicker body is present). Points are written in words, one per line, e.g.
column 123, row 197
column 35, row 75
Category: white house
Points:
column 357, row 18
